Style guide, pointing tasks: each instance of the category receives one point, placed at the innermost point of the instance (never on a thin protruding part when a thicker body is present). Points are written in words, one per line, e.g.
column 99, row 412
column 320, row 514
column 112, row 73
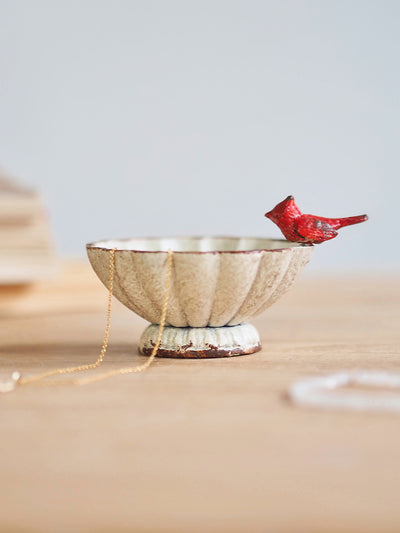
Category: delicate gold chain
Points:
column 129, row 370
column 150, row 359
column 71, row 369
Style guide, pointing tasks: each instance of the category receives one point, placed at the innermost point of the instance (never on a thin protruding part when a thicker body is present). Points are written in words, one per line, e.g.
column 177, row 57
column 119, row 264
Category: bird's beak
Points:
column 268, row 215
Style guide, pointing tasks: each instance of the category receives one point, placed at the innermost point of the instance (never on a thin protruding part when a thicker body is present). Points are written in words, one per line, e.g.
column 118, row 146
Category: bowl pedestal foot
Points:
column 198, row 343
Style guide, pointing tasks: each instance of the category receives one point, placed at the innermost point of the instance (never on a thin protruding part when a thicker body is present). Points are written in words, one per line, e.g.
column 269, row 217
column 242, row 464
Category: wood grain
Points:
column 194, row 445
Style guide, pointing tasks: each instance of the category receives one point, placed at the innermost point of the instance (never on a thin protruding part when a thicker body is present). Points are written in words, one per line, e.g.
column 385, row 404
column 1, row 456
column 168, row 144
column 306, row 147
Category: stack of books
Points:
column 26, row 249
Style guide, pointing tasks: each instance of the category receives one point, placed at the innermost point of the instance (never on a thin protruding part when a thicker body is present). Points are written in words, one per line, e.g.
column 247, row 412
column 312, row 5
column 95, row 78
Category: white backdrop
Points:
column 187, row 117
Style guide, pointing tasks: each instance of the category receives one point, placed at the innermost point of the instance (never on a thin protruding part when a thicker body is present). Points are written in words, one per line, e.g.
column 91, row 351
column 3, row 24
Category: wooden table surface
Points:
column 197, row 445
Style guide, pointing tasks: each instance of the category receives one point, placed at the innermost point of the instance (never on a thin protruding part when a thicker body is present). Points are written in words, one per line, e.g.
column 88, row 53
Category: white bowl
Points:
column 216, row 281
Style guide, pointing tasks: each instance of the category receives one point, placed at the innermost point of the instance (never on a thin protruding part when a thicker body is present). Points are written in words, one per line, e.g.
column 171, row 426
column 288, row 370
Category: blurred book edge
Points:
column 76, row 288
column 27, row 252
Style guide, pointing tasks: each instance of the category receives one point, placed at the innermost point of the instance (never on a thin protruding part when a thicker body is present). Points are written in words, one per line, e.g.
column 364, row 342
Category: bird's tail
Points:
column 337, row 223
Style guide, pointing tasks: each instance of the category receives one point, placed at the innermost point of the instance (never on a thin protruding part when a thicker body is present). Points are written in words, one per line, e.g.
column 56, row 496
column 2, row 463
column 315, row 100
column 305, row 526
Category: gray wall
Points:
column 195, row 117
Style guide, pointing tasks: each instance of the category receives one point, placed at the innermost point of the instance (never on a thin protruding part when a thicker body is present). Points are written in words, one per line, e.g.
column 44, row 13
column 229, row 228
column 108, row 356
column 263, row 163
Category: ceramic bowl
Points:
column 216, row 281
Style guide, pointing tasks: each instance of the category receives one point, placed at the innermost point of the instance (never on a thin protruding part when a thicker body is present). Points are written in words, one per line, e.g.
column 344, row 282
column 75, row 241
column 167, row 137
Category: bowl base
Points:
column 200, row 343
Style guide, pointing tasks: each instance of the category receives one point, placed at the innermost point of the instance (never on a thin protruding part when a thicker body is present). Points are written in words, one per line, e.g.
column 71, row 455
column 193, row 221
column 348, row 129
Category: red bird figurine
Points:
column 309, row 229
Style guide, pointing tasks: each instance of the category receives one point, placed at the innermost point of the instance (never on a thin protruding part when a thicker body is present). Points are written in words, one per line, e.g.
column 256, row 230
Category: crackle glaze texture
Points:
column 215, row 281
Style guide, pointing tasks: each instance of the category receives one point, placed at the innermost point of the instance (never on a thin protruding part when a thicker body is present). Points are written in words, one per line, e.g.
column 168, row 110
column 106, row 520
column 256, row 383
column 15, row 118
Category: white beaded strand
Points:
column 318, row 392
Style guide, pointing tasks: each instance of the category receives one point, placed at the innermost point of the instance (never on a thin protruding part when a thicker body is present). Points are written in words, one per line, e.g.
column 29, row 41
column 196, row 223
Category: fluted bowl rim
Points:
column 122, row 245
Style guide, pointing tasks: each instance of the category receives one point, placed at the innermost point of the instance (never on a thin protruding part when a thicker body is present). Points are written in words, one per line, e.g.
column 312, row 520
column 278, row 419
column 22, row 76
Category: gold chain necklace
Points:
column 17, row 380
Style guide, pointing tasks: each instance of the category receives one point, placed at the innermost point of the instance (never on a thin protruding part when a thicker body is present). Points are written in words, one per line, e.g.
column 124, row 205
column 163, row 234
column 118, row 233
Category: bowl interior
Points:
column 195, row 244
